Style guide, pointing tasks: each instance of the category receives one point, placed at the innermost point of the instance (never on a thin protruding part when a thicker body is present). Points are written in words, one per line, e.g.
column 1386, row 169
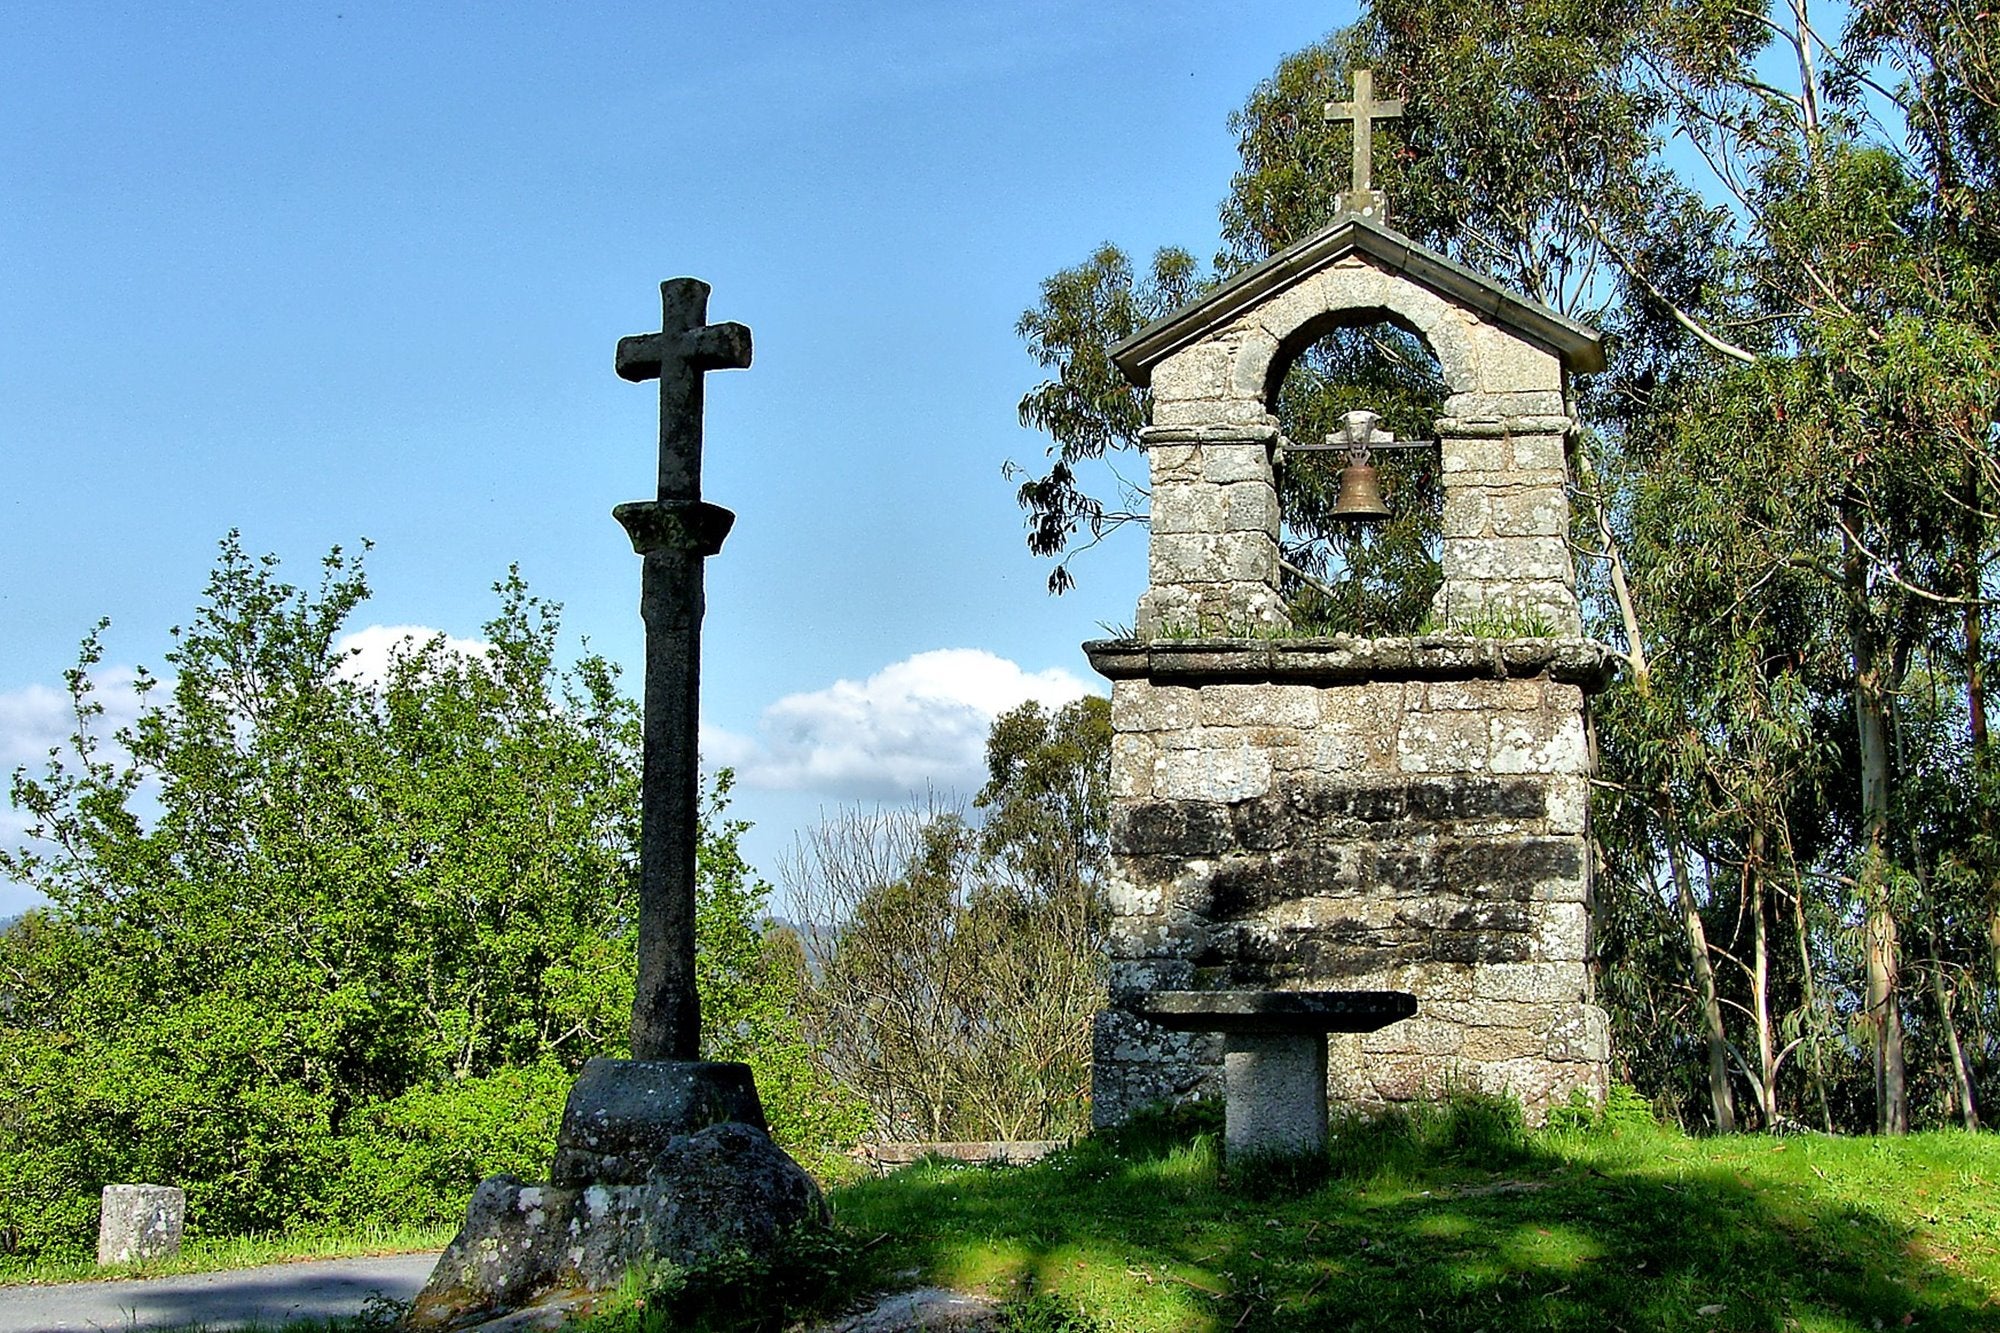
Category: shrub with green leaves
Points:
column 322, row 948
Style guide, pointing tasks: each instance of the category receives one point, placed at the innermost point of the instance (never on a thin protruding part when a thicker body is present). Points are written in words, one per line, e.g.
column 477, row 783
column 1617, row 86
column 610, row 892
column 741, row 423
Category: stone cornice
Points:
column 1346, row 659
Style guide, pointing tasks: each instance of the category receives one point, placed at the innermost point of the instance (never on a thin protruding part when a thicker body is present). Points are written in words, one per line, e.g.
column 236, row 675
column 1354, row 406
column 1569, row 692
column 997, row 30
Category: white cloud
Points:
column 31, row 720
column 915, row 724
column 36, row 719
column 373, row 647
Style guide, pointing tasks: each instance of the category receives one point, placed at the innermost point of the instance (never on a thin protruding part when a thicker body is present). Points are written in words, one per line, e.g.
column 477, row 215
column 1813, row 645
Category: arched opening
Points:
column 1339, row 575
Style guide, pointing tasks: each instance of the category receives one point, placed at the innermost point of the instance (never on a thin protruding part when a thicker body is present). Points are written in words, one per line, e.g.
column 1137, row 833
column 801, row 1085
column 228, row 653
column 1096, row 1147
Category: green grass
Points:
column 212, row 1254
column 1455, row 1220
column 1448, row 1219
column 1496, row 623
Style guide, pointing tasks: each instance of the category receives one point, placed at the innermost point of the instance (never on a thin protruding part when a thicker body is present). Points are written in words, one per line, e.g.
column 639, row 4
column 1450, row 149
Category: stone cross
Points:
column 1364, row 111
column 675, row 533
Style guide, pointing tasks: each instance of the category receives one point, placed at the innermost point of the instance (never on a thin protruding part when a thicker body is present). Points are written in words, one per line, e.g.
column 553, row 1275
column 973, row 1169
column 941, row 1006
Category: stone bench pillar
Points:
column 1274, row 1055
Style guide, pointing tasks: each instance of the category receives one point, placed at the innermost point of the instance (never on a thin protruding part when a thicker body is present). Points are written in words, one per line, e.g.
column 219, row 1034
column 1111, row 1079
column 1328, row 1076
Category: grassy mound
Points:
column 1457, row 1219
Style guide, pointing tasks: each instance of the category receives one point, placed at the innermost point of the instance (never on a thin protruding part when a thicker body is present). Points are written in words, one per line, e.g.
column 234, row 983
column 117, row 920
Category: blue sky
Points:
column 323, row 272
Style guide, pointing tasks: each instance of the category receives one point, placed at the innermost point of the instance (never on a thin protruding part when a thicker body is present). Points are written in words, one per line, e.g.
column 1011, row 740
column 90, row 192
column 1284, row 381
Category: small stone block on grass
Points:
column 140, row 1222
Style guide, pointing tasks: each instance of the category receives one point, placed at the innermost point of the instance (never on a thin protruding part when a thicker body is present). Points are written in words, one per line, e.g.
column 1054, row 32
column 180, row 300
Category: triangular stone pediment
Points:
column 1580, row 347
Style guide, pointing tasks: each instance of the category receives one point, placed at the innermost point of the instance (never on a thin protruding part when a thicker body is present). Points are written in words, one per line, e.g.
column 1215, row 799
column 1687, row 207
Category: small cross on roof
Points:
column 1363, row 199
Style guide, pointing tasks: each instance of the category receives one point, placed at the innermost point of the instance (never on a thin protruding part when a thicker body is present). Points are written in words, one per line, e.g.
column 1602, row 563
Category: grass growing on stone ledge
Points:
column 1501, row 623
column 214, row 1254
column 1449, row 1220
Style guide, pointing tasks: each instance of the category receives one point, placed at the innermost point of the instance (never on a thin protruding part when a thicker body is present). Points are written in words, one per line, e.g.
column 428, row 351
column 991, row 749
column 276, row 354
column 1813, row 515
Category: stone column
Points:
column 1506, row 512
column 1213, row 562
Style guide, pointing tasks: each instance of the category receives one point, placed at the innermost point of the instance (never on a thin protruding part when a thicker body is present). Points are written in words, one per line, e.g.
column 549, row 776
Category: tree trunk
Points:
column 1975, row 707
column 1961, row 1065
column 1722, row 1099
column 1961, row 1068
column 1809, row 1030
column 1883, row 1014
column 1760, row 981
column 1811, row 1012
column 1719, row 1094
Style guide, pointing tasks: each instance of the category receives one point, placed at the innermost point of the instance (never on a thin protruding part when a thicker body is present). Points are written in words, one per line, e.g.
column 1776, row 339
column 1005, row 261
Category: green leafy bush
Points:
column 414, row 1158
column 1623, row 1111
column 344, row 957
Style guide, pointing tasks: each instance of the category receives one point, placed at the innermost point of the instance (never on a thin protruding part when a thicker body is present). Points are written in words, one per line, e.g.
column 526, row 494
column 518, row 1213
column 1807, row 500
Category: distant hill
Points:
column 815, row 937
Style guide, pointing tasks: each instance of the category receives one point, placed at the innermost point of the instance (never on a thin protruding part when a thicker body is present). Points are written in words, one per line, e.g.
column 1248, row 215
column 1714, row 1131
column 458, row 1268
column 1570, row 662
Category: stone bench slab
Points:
column 1274, row 1054
column 1274, row 1013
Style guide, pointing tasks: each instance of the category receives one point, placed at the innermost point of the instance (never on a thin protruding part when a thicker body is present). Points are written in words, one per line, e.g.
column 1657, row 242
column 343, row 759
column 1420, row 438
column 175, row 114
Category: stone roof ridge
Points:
column 1580, row 347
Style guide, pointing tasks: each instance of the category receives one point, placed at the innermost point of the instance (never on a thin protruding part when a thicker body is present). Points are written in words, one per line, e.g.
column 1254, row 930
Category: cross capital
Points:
column 1364, row 199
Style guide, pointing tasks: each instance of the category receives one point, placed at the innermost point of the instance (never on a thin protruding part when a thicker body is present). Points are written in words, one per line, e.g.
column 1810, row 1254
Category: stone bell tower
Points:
column 1401, row 814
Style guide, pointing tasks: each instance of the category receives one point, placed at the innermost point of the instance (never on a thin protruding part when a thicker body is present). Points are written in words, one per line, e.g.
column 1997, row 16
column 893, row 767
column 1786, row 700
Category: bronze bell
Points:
column 1360, row 495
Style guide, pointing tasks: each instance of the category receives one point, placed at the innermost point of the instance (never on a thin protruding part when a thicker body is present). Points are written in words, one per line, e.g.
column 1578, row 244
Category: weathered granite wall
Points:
column 1356, row 814
column 1505, row 544
column 1213, row 560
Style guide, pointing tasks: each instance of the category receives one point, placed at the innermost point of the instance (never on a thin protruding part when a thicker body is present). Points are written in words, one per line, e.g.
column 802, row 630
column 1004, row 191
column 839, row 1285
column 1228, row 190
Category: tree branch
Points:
column 1887, row 569
column 1681, row 317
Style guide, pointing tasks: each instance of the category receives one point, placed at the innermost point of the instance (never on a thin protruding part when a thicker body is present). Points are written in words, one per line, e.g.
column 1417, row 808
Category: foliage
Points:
column 751, row 985
column 324, row 950
column 814, row 1269
column 1088, row 407
column 409, row 1159
column 950, row 970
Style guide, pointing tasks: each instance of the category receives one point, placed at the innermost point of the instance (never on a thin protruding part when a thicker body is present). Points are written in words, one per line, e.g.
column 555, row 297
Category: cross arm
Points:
column 720, row 347
column 710, row 347
column 1335, row 112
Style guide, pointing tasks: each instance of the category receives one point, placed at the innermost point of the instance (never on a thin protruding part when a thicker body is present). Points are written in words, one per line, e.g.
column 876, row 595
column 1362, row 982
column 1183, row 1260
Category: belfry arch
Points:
column 1214, row 365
